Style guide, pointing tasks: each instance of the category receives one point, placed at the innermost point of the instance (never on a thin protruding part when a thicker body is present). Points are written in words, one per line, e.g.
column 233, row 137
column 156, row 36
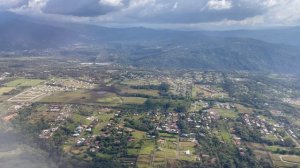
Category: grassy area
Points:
column 297, row 122
column 148, row 147
column 23, row 82
column 166, row 153
column 215, row 92
column 144, row 161
column 69, row 97
column 227, row 113
column 6, row 90
column 103, row 121
column 132, row 151
column 72, row 83
column 114, row 100
column 140, row 82
column 274, row 148
column 80, row 119
column 133, row 100
column 187, row 146
column 127, row 90
column 138, row 134
column 243, row 109
column 279, row 163
column 195, row 91
column 293, row 159
column 270, row 137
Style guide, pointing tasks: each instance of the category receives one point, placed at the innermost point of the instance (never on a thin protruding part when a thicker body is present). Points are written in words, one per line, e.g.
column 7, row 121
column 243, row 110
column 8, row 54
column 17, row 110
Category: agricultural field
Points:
column 128, row 90
column 24, row 82
column 133, row 100
column 4, row 90
column 68, row 97
column 278, row 161
column 199, row 91
column 226, row 113
column 140, row 82
column 242, row 109
column 71, row 83
column 291, row 159
column 28, row 96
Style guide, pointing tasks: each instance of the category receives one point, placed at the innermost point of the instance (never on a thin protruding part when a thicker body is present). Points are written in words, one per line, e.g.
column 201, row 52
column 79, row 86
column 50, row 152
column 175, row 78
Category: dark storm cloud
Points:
column 179, row 12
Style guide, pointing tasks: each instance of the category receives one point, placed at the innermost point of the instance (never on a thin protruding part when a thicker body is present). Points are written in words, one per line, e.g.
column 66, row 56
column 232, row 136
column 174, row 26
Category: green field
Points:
column 270, row 137
column 128, row 90
column 275, row 148
column 227, row 113
column 133, row 100
column 138, row 134
column 140, row 82
column 23, row 82
column 243, row 109
column 114, row 100
column 278, row 163
column 68, row 97
column 293, row 159
column 103, row 121
column 6, row 90
column 148, row 147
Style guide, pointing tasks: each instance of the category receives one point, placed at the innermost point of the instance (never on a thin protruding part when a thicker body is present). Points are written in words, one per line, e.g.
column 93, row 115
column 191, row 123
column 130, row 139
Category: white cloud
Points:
column 219, row 4
column 115, row 3
column 180, row 13
column 37, row 4
column 175, row 6
column 9, row 3
column 285, row 12
column 141, row 3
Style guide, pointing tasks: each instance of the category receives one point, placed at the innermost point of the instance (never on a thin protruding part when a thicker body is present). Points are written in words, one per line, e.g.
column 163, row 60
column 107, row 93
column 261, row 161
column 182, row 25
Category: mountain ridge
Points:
column 155, row 48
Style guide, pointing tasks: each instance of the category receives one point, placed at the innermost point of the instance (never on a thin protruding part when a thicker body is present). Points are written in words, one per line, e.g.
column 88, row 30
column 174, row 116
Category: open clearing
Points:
column 292, row 159
column 68, row 97
column 27, row 96
column 4, row 90
column 147, row 92
column 226, row 113
column 24, row 83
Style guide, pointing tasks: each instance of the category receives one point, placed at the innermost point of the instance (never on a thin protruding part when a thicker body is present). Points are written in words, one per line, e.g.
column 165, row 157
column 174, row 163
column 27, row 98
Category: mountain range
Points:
column 272, row 50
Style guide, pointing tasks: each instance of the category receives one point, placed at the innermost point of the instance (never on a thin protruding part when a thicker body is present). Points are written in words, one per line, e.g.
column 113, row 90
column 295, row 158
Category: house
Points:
column 188, row 152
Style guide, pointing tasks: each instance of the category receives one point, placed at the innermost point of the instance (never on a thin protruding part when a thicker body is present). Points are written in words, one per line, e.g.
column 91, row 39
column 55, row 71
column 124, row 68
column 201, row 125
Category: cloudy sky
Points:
column 183, row 14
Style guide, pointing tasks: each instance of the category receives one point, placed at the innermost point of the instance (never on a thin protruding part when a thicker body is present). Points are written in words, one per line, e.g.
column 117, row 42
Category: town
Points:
column 150, row 118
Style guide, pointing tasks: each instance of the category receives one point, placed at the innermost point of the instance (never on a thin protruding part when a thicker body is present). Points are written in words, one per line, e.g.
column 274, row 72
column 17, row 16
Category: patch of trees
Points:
column 143, row 124
column 288, row 142
column 246, row 134
column 227, row 154
column 179, row 106
column 106, row 163
column 163, row 87
column 115, row 144
column 293, row 151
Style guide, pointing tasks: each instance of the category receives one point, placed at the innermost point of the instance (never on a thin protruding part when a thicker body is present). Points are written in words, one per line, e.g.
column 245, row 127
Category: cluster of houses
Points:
column 170, row 124
column 258, row 123
column 226, row 106
column 84, row 128
column 4, row 75
column 63, row 113
column 70, row 84
column 197, row 105
column 292, row 133
column 237, row 142
column 180, row 86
